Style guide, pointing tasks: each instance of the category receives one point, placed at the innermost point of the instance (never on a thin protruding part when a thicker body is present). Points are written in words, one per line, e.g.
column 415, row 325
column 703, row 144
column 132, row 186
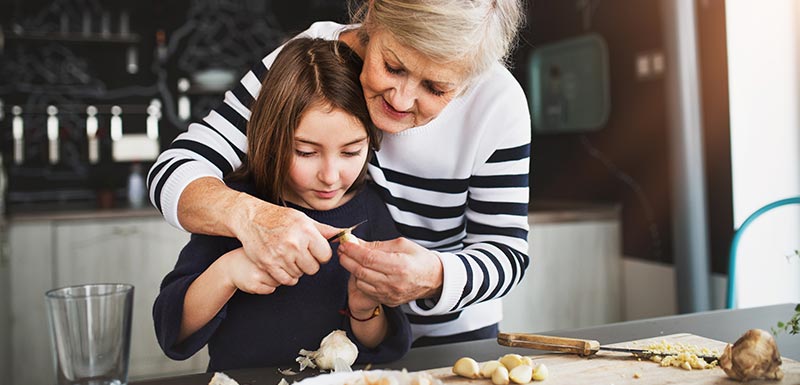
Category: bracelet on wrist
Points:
column 346, row 311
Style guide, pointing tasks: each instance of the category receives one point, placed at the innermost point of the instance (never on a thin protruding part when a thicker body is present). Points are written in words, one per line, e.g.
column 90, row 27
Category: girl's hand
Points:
column 360, row 305
column 244, row 275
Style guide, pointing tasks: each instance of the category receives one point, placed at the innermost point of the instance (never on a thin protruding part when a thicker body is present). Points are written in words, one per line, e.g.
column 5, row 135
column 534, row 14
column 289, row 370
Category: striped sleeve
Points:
column 211, row 148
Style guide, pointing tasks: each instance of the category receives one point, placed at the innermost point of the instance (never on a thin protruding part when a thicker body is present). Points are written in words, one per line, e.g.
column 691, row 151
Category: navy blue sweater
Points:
column 269, row 330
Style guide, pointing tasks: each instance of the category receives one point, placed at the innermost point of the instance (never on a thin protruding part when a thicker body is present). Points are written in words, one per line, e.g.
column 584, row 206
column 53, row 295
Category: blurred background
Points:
column 658, row 126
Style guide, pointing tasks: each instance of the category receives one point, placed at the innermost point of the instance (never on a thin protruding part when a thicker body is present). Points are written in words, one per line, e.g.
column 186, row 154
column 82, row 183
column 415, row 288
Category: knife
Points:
column 345, row 231
column 576, row 346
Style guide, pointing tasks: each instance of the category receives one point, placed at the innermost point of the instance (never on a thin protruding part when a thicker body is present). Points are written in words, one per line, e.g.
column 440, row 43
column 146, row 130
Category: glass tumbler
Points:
column 90, row 326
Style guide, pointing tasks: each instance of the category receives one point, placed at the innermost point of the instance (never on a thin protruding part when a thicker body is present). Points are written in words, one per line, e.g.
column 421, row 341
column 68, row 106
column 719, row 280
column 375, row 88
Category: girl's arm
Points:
column 216, row 285
column 371, row 332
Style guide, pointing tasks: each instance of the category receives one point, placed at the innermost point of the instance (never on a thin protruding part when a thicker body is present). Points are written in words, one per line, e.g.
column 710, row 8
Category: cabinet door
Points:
column 30, row 276
column 136, row 251
column 574, row 279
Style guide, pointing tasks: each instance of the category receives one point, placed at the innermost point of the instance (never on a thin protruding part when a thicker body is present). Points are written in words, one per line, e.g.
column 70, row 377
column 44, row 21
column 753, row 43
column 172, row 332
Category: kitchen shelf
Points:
column 72, row 37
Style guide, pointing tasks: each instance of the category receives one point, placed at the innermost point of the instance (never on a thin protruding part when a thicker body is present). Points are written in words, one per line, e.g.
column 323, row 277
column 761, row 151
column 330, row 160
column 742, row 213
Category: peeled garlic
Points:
column 335, row 351
column 521, row 374
column 540, row 372
column 220, row 378
column 500, row 375
column 466, row 367
column 488, row 367
column 511, row 361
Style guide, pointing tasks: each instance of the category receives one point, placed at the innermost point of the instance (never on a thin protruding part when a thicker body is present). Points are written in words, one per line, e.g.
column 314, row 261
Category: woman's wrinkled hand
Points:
column 283, row 242
column 392, row 272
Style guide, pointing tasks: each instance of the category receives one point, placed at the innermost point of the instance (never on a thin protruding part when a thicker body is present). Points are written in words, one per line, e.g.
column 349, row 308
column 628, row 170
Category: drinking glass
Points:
column 90, row 327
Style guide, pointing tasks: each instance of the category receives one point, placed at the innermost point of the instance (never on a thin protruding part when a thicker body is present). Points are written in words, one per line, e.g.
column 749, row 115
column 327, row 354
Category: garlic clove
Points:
column 466, row 367
column 521, row 374
column 511, row 361
column 540, row 372
column 500, row 376
column 488, row 367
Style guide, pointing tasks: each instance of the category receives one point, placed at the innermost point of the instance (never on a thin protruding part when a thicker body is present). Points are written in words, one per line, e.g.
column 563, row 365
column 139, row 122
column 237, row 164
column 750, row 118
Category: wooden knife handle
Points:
column 549, row 343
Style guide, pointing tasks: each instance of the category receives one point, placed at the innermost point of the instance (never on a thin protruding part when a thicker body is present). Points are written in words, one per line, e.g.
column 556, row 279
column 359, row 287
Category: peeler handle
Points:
column 549, row 343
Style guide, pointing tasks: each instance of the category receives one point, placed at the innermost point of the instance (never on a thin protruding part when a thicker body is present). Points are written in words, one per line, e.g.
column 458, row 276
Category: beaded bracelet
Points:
column 375, row 313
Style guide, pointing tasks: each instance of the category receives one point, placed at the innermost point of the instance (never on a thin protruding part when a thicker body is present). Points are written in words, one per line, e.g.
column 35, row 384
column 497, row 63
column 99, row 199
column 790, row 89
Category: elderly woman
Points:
column 453, row 167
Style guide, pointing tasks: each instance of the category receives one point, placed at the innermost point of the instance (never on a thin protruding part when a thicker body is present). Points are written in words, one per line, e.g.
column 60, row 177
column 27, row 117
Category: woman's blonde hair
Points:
column 476, row 33
column 307, row 73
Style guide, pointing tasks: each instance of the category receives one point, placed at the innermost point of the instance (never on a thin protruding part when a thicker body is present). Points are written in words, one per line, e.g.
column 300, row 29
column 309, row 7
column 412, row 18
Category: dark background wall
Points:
column 47, row 59
column 626, row 161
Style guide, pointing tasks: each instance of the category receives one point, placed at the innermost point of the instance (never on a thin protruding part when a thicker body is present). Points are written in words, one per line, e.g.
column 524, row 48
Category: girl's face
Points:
column 402, row 87
column 330, row 149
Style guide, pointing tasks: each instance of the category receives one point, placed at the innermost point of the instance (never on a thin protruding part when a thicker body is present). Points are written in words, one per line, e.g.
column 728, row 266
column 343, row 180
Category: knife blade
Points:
column 345, row 231
column 576, row 346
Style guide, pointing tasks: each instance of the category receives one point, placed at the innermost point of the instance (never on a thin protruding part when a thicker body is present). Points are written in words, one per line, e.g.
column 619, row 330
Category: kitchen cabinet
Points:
column 54, row 252
column 5, row 304
column 575, row 276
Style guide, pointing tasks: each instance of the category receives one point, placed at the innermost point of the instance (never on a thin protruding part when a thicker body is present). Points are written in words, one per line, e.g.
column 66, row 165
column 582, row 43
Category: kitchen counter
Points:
column 721, row 325
column 77, row 211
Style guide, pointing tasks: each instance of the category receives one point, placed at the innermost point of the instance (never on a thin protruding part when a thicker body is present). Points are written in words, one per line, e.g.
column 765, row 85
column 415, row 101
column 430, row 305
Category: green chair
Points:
column 731, row 297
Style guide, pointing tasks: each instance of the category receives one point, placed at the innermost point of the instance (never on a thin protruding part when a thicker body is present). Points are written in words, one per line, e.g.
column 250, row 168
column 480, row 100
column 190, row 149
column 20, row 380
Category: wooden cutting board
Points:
column 620, row 368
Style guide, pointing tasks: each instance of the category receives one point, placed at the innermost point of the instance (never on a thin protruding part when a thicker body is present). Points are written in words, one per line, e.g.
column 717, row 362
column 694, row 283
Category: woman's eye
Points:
column 351, row 153
column 304, row 154
column 392, row 70
column 433, row 90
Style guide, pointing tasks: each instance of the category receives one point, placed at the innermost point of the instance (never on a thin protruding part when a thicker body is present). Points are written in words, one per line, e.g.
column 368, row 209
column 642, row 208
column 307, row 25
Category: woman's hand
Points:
column 242, row 274
column 281, row 241
column 392, row 272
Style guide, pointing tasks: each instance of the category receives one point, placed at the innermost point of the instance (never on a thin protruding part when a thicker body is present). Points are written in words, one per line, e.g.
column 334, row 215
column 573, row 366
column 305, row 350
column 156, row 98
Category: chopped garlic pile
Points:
column 681, row 355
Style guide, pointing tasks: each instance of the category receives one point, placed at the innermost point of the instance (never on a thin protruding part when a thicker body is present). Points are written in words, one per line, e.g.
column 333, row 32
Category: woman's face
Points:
column 402, row 87
column 330, row 149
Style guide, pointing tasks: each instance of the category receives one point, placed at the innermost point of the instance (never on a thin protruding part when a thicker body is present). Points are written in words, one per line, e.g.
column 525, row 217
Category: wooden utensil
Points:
column 574, row 345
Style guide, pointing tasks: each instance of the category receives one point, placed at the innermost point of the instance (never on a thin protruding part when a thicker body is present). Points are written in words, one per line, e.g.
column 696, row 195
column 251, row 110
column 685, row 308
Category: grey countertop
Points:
column 721, row 325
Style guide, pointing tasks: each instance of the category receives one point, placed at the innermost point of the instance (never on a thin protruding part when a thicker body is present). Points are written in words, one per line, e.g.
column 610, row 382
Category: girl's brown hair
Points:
column 306, row 73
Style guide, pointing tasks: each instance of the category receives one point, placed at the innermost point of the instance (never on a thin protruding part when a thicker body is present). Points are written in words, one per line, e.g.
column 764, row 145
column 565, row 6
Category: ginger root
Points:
column 754, row 356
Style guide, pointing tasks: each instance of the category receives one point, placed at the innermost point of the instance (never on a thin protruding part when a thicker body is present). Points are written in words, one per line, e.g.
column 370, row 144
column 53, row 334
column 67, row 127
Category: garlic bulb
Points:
column 754, row 356
column 335, row 351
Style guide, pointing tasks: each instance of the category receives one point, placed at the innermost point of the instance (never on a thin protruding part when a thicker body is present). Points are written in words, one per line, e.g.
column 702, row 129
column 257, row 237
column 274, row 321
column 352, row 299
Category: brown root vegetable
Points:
column 754, row 356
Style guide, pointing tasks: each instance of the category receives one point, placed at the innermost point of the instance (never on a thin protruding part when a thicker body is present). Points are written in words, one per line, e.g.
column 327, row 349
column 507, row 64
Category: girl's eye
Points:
column 392, row 70
column 351, row 153
column 303, row 154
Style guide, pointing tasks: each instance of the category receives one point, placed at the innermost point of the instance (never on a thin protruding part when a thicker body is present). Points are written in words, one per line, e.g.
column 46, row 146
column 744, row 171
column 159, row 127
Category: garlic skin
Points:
column 334, row 348
column 754, row 356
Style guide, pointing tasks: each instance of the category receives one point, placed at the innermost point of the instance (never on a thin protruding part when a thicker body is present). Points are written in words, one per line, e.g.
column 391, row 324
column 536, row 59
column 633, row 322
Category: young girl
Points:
column 309, row 137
